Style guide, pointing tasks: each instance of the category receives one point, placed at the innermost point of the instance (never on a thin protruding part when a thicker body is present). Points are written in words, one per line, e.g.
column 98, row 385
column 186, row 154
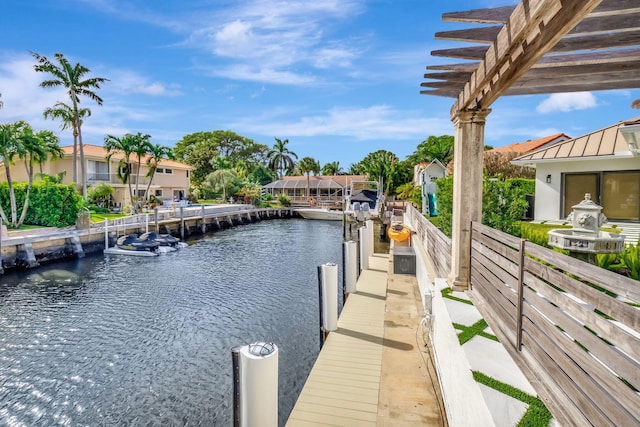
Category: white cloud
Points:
column 125, row 81
column 566, row 102
column 369, row 123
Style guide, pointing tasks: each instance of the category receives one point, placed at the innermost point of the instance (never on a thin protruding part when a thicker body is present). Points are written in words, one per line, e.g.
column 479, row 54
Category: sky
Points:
column 338, row 79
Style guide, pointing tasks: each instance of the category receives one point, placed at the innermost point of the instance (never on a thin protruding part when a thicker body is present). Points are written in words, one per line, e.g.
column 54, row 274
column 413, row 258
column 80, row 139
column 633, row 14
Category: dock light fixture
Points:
column 549, row 179
column 631, row 134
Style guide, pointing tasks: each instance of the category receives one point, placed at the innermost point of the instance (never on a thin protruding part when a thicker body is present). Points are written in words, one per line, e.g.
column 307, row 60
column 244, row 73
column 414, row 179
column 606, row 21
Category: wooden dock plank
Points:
column 343, row 386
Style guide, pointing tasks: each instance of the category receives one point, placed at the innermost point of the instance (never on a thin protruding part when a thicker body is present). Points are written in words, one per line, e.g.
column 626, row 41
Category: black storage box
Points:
column 404, row 260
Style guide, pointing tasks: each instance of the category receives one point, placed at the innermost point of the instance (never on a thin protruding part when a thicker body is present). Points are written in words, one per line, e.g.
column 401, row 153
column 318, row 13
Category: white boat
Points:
column 364, row 200
column 320, row 213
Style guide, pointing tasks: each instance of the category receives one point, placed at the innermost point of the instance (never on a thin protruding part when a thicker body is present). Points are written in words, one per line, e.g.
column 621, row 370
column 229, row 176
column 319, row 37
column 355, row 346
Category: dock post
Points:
column 155, row 214
column 182, row 222
column 255, row 385
column 106, row 233
column 203, row 227
column 146, row 223
column 1, row 267
column 328, row 299
column 349, row 268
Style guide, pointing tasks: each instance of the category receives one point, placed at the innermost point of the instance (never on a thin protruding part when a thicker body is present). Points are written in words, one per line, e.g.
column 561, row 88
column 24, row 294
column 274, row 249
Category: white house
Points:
column 604, row 163
column 425, row 175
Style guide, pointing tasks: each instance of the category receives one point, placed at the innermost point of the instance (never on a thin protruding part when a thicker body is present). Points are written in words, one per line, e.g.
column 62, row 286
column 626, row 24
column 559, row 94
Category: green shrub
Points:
column 284, row 200
column 50, row 205
column 100, row 194
column 630, row 261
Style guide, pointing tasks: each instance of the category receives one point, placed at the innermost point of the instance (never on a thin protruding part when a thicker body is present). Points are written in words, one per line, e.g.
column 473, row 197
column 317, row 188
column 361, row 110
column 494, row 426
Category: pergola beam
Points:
column 533, row 29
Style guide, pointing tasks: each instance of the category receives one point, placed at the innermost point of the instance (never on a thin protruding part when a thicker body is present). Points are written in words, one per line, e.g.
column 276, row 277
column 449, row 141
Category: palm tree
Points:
column 156, row 153
column 38, row 148
column 140, row 147
column 62, row 111
column 280, row 157
column 1, row 103
column 306, row 166
column 332, row 168
column 124, row 146
column 72, row 78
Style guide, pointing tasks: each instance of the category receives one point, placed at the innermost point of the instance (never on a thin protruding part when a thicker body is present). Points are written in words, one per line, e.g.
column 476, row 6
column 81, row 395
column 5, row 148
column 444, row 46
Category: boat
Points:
column 164, row 240
column 133, row 242
column 320, row 213
column 364, row 200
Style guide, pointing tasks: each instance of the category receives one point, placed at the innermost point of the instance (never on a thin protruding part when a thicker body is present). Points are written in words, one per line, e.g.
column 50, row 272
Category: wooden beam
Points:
column 465, row 66
column 617, row 22
column 478, row 35
column 533, row 29
column 497, row 15
column 452, row 76
column 576, row 87
column 443, row 93
column 448, row 85
column 590, row 58
column 475, row 52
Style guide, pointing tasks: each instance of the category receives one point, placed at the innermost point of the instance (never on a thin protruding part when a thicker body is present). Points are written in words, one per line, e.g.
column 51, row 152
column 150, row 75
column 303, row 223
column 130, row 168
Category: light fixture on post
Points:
column 631, row 134
column 549, row 179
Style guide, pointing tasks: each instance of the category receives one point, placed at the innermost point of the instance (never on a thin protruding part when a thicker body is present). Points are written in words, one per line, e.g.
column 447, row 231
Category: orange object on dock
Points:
column 399, row 232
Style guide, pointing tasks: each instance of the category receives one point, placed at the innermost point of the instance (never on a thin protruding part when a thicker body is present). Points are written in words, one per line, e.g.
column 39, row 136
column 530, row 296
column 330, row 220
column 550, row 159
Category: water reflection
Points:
column 115, row 340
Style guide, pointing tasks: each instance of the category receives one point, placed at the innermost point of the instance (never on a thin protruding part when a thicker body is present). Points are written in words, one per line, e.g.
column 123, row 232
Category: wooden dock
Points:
column 343, row 386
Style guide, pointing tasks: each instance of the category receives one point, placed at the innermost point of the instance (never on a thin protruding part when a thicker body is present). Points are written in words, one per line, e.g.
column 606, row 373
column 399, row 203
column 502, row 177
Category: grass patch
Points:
column 477, row 329
column 446, row 293
column 24, row 227
column 537, row 415
column 100, row 217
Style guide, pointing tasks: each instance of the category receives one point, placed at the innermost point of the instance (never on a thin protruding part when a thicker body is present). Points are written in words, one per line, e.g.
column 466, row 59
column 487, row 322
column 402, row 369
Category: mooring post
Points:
column 203, row 227
column 182, row 222
column 155, row 214
column 328, row 299
column 106, row 233
column 255, row 385
column 1, row 267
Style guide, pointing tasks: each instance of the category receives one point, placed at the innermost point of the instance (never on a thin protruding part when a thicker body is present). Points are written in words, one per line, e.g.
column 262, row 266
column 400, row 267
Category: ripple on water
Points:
column 113, row 340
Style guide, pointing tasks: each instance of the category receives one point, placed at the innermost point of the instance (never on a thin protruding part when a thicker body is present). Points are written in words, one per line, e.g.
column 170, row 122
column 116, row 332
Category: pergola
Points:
column 535, row 47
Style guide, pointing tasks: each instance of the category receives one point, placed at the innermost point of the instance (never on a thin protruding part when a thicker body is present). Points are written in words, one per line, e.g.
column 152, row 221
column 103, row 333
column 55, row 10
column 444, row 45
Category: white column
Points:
column 467, row 189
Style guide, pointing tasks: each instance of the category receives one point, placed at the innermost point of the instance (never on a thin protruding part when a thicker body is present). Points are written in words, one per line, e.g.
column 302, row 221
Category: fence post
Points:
column 469, row 256
column 520, row 295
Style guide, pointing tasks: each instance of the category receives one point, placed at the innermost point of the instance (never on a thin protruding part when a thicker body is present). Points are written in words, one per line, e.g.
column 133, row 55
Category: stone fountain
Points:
column 585, row 240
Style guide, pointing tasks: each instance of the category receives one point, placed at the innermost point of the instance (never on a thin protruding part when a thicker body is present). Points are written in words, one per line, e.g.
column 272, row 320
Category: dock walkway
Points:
column 355, row 380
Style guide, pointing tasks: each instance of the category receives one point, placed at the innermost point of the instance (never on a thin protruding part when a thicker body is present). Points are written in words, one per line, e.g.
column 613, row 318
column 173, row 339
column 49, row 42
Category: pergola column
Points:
column 467, row 189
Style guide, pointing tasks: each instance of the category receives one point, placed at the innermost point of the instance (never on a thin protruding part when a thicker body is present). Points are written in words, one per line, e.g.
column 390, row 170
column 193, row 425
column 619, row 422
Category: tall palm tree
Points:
column 140, row 147
column 65, row 113
column 280, row 157
column 72, row 78
column 332, row 168
column 38, row 148
column 125, row 146
column 306, row 166
column 156, row 153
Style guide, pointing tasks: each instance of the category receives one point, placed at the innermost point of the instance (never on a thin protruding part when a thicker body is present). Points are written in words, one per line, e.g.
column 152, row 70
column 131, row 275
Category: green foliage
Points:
column 528, row 186
column 100, row 194
column 434, row 147
column 384, row 165
column 630, row 261
column 503, row 204
column 410, row 192
column 284, row 200
column 262, row 175
column 49, row 206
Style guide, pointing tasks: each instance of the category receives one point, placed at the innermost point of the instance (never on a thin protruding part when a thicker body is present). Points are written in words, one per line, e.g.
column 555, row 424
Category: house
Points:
column 425, row 175
column 532, row 144
column 323, row 189
column 171, row 180
column 604, row 163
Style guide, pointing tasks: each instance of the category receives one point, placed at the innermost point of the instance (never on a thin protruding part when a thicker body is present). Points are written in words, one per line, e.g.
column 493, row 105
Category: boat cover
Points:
column 365, row 196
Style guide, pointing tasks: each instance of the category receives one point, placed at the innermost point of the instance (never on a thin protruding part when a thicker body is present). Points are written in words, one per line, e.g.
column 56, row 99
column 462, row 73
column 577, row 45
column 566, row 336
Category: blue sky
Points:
column 337, row 78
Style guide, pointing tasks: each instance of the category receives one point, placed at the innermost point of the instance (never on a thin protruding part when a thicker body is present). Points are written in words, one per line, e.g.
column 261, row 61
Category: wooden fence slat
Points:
column 609, row 280
column 608, row 359
column 615, row 308
column 511, row 266
column 504, row 238
column 604, row 327
column 543, row 381
column 565, row 360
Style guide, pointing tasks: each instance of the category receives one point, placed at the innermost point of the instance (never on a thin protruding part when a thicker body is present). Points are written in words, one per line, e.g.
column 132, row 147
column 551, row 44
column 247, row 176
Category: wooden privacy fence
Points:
column 435, row 243
column 572, row 327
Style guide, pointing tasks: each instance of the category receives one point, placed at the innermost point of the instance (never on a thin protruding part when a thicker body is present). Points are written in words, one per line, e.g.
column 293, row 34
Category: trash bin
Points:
column 404, row 260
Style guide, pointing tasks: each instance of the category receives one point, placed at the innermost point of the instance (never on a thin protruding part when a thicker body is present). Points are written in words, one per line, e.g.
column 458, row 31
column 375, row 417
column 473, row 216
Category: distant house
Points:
column 604, row 163
column 424, row 176
column 171, row 180
column 323, row 189
column 532, row 144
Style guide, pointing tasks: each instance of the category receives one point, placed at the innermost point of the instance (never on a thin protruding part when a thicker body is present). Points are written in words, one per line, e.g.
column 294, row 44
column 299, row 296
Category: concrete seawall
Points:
column 30, row 248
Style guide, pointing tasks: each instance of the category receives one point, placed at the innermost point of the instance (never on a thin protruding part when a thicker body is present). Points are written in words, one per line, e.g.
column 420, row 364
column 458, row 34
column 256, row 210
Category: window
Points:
column 97, row 171
column 159, row 193
column 160, row 170
column 187, row 174
column 168, row 171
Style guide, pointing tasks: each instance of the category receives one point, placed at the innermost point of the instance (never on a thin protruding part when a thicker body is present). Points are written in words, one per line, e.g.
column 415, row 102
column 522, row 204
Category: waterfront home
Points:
column 170, row 182
column 604, row 163
column 323, row 190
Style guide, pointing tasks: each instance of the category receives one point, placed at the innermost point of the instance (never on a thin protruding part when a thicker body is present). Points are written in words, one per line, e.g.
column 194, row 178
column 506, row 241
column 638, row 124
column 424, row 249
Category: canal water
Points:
column 128, row 341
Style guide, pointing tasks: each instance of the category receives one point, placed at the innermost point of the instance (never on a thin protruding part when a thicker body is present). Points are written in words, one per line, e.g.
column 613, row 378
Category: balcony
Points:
column 112, row 178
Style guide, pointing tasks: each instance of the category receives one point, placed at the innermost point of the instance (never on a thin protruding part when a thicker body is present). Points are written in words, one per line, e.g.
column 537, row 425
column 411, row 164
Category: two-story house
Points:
column 170, row 182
